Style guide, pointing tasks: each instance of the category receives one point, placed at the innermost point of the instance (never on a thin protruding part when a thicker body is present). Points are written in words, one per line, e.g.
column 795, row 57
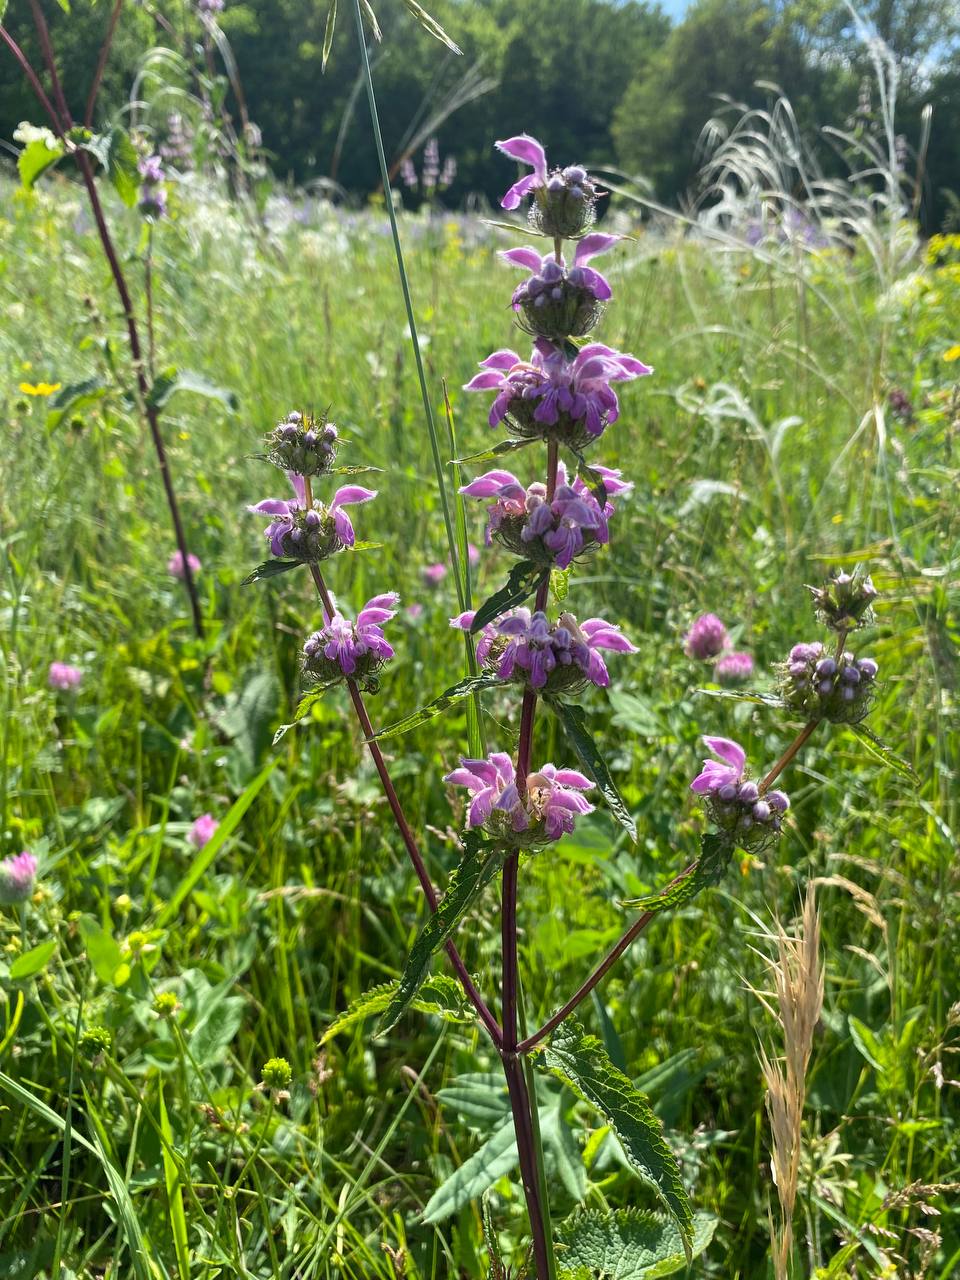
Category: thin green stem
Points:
column 408, row 304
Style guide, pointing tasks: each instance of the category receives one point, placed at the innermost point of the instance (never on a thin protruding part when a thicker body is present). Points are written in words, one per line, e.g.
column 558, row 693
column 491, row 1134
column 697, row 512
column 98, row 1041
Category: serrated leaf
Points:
column 173, row 381
column 515, row 228
column 33, row 961
column 304, row 708
column 73, row 396
column 744, row 695
column 328, row 33
column 456, row 693
column 524, row 579
column 497, row 451
column 559, row 584
column 707, row 871
column 39, row 155
column 364, row 546
column 480, row 863
column 349, row 471
column 430, row 24
column 581, row 1062
column 628, row 1244
column 440, row 994
column 496, row 1157
column 270, row 569
column 880, row 751
column 573, row 719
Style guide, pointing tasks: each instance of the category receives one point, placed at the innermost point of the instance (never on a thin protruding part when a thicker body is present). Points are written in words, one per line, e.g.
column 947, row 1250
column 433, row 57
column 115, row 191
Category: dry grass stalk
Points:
column 796, row 1003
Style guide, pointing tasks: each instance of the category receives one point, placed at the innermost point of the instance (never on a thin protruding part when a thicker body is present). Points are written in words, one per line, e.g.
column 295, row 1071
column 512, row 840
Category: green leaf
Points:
column 218, row 1021
column 456, row 693
column 480, row 863
column 73, row 397
column 497, row 451
column 880, row 751
column 103, row 952
column 328, row 33
column 352, row 471
column 559, row 584
column 121, row 166
column 304, row 708
column 172, row 381
column 439, row 994
column 174, row 1190
column 515, row 228
column 573, row 720
column 364, row 546
column 525, row 577
column 496, row 1157
column 867, row 1043
column 33, row 961
column 581, row 1062
column 270, row 569
column 628, row 1244
column 744, row 695
column 708, row 870
column 39, row 155
column 430, row 24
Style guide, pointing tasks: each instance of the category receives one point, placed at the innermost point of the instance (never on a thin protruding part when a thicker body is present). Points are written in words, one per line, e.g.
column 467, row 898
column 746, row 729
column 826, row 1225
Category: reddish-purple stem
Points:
column 403, row 826
column 101, row 63
column 32, row 78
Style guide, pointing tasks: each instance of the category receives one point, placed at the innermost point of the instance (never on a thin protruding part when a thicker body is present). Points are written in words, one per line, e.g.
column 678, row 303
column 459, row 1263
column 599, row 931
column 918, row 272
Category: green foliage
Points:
column 628, row 1244
column 573, row 719
column 462, row 689
column 42, row 152
column 582, row 1063
column 480, row 863
column 708, row 870
column 173, row 381
column 438, row 994
column 522, row 582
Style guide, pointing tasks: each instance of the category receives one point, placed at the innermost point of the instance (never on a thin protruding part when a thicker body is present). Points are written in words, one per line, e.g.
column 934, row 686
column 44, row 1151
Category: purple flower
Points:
column 310, row 534
column 549, row 274
column 564, row 199
column 352, row 649
column 547, row 811
column 18, row 875
column 559, row 657
column 549, row 391
column 434, row 574
column 151, row 168
column 63, row 677
column 304, row 445
column 725, row 771
column 175, row 564
column 528, row 151
column 209, row 7
column 706, row 638
column 202, row 830
column 735, row 803
column 554, row 531
column 413, row 611
column 733, row 668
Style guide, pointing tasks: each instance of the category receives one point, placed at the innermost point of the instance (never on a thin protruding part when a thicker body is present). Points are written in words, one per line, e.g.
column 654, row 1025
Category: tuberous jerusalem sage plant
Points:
column 519, row 806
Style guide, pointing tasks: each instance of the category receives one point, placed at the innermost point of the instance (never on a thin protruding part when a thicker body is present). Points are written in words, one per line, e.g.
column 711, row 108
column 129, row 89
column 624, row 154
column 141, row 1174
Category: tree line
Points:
column 599, row 82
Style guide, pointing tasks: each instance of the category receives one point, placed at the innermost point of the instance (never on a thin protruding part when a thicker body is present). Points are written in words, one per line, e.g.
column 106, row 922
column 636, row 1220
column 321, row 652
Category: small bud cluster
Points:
column 551, row 532
column 822, row 687
column 564, row 200
column 557, row 303
column 845, row 602
column 354, row 650
column 276, row 1075
column 304, row 445
column 749, row 818
column 547, row 810
column 153, row 192
column 553, row 659
column 18, row 875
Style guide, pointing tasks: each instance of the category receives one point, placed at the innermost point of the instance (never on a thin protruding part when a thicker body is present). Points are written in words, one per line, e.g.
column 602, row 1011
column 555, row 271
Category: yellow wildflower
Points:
column 40, row 388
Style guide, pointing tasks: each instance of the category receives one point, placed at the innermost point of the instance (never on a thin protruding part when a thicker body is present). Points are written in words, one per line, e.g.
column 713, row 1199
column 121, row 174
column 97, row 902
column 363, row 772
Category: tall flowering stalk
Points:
column 517, row 805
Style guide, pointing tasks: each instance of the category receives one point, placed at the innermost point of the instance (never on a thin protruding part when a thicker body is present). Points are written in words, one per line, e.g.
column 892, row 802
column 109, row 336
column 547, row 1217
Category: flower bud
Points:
column 839, row 690
column 845, row 601
column 18, row 875
column 565, row 206
column 304, row 446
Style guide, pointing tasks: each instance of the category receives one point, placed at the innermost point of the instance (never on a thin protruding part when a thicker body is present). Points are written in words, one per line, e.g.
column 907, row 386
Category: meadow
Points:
column 803, row 417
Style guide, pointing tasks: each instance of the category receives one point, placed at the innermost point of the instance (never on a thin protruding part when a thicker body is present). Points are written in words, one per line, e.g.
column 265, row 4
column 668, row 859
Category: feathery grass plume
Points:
column 798, row 991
